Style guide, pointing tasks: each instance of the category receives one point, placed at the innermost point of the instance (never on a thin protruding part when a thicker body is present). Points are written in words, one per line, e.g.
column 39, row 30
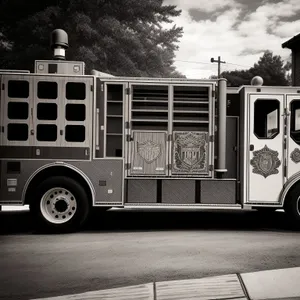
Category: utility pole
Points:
column 219, row 64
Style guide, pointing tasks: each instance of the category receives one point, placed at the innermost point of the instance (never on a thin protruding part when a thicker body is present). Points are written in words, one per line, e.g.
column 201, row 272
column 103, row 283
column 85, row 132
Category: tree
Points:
column 270, row 67
column 121, row 37
column 288, row 69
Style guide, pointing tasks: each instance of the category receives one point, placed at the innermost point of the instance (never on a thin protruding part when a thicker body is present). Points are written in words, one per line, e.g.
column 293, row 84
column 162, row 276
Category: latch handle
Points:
column 251, row 147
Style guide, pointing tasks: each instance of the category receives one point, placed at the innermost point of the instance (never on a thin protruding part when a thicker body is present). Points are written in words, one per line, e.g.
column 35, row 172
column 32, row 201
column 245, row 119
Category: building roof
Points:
column 292, row 43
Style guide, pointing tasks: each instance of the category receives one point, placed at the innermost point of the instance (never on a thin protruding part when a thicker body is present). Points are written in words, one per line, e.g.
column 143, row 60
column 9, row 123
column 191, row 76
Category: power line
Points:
column 193, row 62
column 205, row 63
column 239, row 65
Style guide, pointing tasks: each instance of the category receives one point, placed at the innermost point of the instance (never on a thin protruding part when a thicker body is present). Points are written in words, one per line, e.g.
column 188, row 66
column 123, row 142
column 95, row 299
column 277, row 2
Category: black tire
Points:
column 292, row 205
column 45, row 212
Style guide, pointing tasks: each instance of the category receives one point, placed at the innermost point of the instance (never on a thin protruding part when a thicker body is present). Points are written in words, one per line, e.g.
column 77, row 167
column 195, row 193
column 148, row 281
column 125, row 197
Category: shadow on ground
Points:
column 14, row 222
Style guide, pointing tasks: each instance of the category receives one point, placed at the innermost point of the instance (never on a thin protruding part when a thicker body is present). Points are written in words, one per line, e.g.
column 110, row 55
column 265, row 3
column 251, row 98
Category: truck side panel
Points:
column 106, row 177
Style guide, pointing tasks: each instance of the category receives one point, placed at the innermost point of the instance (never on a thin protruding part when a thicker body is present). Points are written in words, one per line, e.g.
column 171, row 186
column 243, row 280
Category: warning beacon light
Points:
column 257, row 80
column 59, row 43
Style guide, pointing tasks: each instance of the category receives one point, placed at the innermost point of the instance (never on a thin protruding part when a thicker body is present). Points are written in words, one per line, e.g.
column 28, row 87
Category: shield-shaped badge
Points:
column 265, row 162
column 190, row 151
column 148, row 151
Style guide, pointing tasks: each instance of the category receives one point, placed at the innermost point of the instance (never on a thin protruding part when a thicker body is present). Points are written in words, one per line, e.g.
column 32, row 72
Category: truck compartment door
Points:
column 148, row 153
column 265, row 159
column 293, row 135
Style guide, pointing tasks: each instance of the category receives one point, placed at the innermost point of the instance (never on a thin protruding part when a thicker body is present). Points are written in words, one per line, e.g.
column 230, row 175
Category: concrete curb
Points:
column 281, row 284
column 273, row 284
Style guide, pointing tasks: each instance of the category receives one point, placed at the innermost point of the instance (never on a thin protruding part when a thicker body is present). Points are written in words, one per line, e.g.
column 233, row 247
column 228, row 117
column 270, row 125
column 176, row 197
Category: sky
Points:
column 237, row 30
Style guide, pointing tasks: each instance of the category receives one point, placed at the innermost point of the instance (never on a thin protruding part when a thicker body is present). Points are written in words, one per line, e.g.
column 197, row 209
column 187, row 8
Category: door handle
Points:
column 97, row 128
column 251, row 147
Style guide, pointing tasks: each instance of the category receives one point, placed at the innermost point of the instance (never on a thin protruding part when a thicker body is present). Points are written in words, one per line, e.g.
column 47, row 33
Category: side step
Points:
column 183, row 206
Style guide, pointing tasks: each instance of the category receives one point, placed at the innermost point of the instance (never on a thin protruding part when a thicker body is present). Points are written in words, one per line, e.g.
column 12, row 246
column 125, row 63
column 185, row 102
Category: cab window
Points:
column 295, row 121
column 266, row 118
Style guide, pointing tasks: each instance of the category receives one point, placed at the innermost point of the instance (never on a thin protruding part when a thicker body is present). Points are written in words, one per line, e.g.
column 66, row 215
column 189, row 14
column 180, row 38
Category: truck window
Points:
column 295, row 121
column 47, row 90
column 75, row 91
column 75, row 133
column 17, row 132
column 75, row 112
column 18, row 89
column 46, row 133
column 17, row 110
column 266, row 118
column 47, row 111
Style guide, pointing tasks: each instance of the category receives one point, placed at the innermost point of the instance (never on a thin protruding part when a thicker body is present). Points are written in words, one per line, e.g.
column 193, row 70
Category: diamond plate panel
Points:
column 141, row 191
column 178, row 191
column 218, row 192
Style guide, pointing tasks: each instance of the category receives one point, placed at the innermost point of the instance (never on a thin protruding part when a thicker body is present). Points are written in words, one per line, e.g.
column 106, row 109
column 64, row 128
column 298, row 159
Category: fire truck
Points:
column 71, row 141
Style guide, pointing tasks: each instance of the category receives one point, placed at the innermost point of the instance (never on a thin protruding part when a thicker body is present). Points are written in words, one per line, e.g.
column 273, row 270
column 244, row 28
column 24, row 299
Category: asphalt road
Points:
column 123, row 248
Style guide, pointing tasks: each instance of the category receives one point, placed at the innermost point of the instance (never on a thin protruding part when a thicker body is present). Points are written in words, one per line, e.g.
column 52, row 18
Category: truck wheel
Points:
column 60, row 204
column 292, row 205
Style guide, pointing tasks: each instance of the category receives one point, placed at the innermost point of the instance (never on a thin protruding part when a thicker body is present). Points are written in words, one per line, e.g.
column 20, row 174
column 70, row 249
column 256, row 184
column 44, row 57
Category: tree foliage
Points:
column 121, row 37
column 270, row 67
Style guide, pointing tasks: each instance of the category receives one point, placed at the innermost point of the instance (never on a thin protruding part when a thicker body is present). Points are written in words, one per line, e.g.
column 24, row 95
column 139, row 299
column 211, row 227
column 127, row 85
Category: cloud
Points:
column 236, row 30
column 248, row 51
column 204, row 6
column 285, row 30
column 286, row 8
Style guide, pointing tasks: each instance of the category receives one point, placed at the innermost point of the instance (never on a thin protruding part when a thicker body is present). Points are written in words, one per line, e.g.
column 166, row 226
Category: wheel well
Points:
column 296, row 185
column 53, row 171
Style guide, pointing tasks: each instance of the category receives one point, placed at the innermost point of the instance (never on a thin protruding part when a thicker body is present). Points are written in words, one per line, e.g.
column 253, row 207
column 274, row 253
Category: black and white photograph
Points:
column 150, row 150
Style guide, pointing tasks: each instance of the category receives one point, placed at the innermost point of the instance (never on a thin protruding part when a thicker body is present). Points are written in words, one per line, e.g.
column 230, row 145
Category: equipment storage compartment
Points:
column 192, row 123
column 115, row 98
column 190, row 153
column 148, row 139
column 148, row 153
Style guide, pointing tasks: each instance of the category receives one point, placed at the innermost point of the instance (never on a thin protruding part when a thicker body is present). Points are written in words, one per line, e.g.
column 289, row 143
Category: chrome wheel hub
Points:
column 58, row 205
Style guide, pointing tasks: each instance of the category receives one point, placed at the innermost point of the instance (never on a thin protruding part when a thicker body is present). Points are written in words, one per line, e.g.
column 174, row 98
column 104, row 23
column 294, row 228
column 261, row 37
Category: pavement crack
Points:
column 243, row 286
column 154, row 291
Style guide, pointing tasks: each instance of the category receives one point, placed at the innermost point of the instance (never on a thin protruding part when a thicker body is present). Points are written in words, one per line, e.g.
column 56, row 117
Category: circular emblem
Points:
column 295, row 155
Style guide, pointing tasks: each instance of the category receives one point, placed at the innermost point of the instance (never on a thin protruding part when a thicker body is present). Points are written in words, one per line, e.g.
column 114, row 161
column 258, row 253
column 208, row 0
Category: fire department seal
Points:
column 295, row 155
column 190, row 151
column 148, row 151
column 265, row 162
